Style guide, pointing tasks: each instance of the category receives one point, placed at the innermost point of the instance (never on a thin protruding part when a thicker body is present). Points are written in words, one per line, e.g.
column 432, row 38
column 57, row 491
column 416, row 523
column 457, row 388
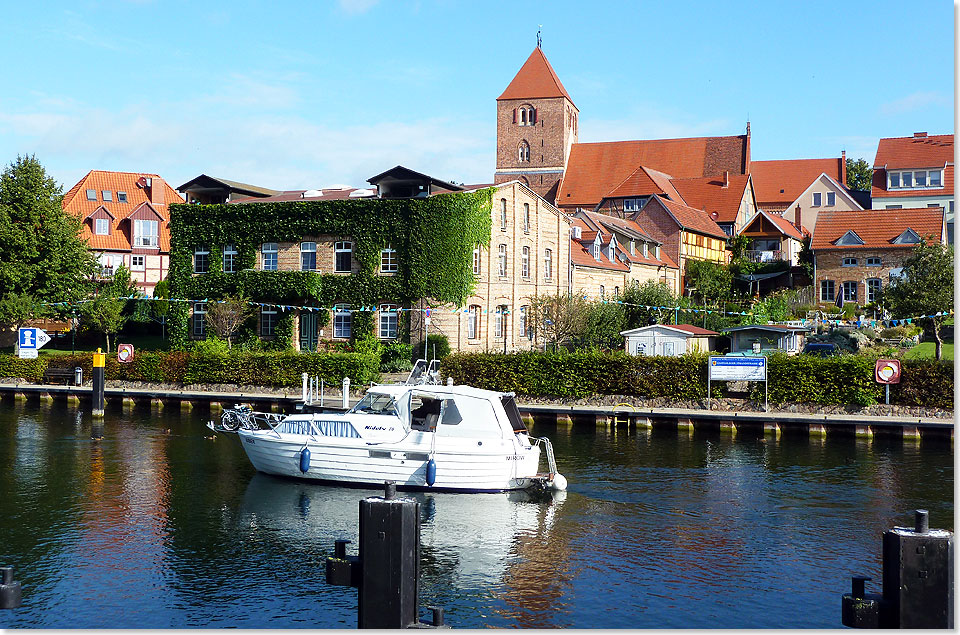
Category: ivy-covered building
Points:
column 323, row 268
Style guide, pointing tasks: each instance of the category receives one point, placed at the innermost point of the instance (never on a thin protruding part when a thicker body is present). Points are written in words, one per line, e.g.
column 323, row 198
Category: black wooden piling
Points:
column 99, row 382
column 10, row 592
column 917, row 581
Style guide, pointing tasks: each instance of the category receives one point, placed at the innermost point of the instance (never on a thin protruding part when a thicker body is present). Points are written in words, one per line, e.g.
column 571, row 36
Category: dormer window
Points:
column 633, row 248
column 914, row 179
column 102, row 226
column 523, row 152
column 612, row 249
column 146, row 233
column 596, row 247
column 646, row 250
column 908, row 237
column 656, row 252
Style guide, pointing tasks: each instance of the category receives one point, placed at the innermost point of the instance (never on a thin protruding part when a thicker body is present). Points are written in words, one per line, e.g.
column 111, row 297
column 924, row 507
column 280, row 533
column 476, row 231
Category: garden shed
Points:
column 670, row 340
column 770, row 337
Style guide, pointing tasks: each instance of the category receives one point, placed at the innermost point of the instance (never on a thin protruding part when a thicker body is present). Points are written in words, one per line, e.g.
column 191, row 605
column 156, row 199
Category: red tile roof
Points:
column 645, row 182
column 791, row 176
column 690, row 328
column 536, row 79
column 327, row 194
column 876, row 228
column 784, row 225
column 602, row 220
column 709, row 194
column 594, row 169
column 914, row 152
column 75, row 202
column 692, row 219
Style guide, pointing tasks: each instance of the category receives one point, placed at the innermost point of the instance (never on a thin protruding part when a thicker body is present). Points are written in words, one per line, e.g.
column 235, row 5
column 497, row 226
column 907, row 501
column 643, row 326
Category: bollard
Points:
column 449, row 383
column 99, row 381
column 917, row 581
column 346, row 393
column 77, row 376
column 10, row 592
column 303, row 391
column 387, row 570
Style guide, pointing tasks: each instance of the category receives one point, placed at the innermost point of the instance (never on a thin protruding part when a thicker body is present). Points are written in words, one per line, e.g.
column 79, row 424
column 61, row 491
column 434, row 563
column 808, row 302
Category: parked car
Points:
column 821, row 349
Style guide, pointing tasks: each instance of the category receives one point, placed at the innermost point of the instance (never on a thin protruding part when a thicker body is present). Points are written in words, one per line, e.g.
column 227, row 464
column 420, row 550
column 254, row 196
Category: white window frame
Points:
column 342, row 321
column 342, row 247
column 499, row 322
column 526, row 218
column 121, row 197
column 473, row 322
column 547, row 264
column 503, row 214
column 831, row 199
column 502, row 260
column 269, row 256
column 646, row 250
column 603, row 291
column 817, row 200
column 873, row 286
column 101, row 226
column 230, row 258
column 146, row 233
column 477, row 262
column 107, row 196
column 388, row 260
column 138, row 258
column 389, row 323
column 308, row 247
column 91, row 195
column 525, row 262
column 523, row 152
column 201, row 254
column 268, row 321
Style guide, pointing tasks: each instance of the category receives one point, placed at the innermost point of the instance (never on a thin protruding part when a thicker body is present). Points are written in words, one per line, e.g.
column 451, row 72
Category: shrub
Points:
column 213, row 345
column 395, row 357
column 438, row 347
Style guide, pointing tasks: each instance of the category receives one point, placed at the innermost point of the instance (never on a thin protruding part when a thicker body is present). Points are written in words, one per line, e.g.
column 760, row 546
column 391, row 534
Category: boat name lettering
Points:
column 375, row 428
column 515, row 457
column 250, row 440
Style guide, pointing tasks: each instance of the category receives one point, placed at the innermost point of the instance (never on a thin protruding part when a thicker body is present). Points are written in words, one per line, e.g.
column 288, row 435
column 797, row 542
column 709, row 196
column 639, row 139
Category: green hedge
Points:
column 254, row 369
column 845, row 379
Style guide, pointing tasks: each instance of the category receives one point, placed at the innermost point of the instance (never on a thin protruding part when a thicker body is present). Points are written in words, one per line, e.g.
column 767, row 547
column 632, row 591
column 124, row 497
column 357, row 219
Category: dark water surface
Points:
column 160, row 526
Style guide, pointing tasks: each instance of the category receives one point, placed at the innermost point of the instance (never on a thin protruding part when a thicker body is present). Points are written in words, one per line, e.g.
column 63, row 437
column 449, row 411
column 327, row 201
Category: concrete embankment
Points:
column 726, row 416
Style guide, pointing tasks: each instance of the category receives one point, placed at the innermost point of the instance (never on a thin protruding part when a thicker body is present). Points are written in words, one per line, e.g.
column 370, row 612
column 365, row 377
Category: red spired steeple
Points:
column 536, row 79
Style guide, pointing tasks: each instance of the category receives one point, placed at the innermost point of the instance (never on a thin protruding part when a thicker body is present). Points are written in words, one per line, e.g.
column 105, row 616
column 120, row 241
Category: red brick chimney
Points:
column 919, row 134
column 796, row 219
column 843, row 168
column 726, row 178
column 155, row 191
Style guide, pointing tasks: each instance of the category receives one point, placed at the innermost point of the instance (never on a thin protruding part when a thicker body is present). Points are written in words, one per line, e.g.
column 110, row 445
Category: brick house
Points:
column 125, row 221
column 915, row 171
column 857, row 253
column 684, row 233
column 597, row 263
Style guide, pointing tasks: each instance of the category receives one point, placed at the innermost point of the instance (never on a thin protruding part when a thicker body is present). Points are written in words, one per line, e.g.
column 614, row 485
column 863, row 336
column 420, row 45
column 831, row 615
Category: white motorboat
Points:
column 421, row 436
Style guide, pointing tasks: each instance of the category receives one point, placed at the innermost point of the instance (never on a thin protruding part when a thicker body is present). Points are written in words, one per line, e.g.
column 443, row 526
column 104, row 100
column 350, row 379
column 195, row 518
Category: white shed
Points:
column 669, row 340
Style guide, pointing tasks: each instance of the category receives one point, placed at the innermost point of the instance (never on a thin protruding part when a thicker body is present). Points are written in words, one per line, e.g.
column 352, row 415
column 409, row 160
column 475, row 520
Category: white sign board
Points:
column 738, row 369
column 33, row 338
column 28, row 353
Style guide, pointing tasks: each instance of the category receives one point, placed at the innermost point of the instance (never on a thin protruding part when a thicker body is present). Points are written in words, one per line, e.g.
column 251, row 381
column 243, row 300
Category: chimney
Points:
column 155, row 191
column 796, row 218
column 843, row 168
column 917, row 135
column 726, row 178
column 746, row 152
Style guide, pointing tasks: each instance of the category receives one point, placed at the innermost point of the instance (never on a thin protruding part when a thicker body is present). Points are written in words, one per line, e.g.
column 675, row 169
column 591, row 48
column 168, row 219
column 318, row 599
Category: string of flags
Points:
column 826, row 319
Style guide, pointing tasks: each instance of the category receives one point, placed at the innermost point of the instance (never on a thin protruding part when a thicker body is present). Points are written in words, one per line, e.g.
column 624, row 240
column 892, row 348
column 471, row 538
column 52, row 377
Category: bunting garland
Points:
column 828, row 319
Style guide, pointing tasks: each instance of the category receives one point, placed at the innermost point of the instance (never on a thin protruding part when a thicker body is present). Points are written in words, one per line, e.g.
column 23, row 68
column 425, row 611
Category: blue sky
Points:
column 310, row 94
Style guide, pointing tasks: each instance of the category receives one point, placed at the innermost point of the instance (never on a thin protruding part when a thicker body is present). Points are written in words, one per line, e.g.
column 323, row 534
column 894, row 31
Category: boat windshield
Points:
column 377, row 404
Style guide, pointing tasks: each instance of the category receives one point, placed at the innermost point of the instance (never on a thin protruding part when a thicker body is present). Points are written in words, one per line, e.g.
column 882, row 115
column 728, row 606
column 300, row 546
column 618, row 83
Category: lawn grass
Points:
column 927, row 350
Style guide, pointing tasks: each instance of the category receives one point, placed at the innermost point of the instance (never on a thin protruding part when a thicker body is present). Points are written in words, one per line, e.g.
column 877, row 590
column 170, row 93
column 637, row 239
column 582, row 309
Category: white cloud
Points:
column 916, row 101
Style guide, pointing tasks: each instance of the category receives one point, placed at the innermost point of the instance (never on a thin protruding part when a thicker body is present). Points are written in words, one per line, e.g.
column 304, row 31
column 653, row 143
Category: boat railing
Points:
column 424, row 374
column 548, row 450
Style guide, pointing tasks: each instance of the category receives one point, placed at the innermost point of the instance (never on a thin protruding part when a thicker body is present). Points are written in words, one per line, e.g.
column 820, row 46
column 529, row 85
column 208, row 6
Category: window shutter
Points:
column 533, row 115
column 514, row 115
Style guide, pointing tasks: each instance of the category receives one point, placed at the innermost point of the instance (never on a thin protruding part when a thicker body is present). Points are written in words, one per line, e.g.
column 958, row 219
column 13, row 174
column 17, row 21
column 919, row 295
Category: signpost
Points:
column 887, row 371
column 738, row 369
column 29, row 341
column 125, row 353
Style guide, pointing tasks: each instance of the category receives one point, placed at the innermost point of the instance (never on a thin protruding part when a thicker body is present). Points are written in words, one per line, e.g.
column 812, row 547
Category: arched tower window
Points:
column 523, row 152
column 525, row 115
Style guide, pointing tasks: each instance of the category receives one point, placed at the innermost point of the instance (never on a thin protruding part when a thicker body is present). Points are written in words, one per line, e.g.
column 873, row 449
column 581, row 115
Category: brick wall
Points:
column 829, row 266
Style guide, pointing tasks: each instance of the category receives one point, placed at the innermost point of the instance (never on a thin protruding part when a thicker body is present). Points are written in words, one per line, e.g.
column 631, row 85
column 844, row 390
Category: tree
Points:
column 649, row 294
column 41, row 252
column 859, row 175
column 16, row 309
column 558, row 318
column 925, row 289
column 105, row 312
column 712, row 281
column 604, row 322
column 225, row 316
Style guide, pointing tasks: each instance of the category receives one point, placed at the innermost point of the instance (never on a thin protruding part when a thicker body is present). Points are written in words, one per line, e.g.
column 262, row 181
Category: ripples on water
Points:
column 158, row 525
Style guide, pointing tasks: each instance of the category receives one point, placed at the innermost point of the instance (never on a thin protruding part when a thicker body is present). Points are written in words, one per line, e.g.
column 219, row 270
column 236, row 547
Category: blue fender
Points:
column 305, row 459
column 431, row 472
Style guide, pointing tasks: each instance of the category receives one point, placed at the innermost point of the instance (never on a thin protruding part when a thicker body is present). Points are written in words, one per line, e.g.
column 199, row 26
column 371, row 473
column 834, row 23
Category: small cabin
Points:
column 760, row 338
column 669, row 340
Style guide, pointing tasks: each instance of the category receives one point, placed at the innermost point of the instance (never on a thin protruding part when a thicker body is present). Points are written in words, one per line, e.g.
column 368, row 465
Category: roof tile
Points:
column 877, row 228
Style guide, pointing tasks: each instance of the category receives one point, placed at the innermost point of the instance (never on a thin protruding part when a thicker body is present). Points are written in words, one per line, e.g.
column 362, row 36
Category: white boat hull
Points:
column 504, row 466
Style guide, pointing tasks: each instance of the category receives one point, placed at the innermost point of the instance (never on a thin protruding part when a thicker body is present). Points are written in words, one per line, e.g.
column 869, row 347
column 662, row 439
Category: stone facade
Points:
column 829, row 267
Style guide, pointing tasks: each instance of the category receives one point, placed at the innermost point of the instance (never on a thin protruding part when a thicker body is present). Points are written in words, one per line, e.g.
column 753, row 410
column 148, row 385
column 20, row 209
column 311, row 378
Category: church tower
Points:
column 536, row 127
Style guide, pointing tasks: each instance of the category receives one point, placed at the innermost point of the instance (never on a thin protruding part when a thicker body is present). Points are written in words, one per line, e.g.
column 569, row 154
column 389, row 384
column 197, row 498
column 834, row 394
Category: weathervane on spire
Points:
column 538, row 36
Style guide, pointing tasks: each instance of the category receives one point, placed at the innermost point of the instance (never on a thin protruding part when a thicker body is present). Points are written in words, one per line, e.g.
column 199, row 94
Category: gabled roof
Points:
column 625, row 226
column 645, row 181
column 777, row 183
column 926, row 151
column 75, row 202
column 686, row 329
column 100, row 208
column 594, row 169
column 536, row 79
column 234, row 186
column 710, row 195
column 878, row 229
column 782, row 225
column 581, row 249
column 843, row 192
column 848, row 239
column 686, row 217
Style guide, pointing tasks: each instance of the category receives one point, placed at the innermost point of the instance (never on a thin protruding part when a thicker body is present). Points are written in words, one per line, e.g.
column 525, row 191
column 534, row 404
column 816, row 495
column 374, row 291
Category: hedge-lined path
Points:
column 613, row 417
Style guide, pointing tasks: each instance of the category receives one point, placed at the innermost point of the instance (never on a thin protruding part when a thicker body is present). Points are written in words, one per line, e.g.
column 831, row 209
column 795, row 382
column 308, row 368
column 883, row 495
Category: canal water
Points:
column 159, row 525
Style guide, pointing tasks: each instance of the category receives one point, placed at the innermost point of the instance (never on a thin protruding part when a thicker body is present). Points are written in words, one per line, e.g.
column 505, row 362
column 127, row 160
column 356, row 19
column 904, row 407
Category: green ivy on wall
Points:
column 434, row 239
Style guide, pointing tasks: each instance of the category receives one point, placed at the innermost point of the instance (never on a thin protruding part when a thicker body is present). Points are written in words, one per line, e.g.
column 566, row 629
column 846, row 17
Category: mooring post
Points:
column 346, row 393
column 10, row 592
column 303, row 391
column 387, row 571
column 99, row 377
column 917, row 581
